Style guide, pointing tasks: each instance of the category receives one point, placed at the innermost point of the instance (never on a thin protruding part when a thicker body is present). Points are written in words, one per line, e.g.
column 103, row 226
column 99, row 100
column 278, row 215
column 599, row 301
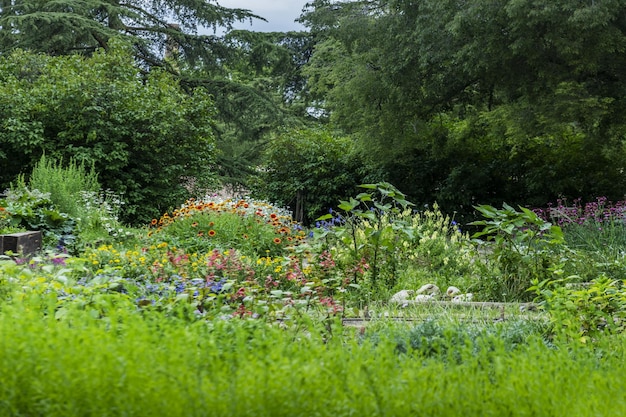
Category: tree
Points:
column 520, row 100
column 263, row 93
column 253, row 77
column 61, row 28
column 308, row 170
column 144, row 134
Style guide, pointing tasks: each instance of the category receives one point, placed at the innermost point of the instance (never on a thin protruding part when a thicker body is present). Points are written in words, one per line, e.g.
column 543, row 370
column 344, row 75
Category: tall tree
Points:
column 254, row 77
column 62, row 27
column 480, row 99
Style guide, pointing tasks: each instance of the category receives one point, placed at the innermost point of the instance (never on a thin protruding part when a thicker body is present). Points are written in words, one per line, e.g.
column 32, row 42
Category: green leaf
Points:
column 325, row 217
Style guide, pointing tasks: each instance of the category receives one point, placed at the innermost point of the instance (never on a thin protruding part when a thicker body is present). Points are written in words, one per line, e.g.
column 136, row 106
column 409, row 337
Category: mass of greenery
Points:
column 196, row 311
column 477, row 102
column 408, row 208
column 142, row 135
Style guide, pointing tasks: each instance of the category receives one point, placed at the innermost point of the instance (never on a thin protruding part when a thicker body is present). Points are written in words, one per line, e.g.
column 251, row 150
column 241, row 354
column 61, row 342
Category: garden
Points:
column 227, row 306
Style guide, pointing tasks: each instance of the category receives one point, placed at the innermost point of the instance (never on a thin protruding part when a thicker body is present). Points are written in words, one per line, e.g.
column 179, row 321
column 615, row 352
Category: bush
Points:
column 255, row 228
column 585, row 311
column 522, row 246
column 33, row 210
column 308, row 170
column 142, row 133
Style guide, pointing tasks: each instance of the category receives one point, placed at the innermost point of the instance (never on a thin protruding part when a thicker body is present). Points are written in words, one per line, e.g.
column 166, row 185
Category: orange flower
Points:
column 245, row 236
column 194, row 224
column 211, row 232
column 211, row 224
column 200, row 233
column 277, row 240
column 273, row 216
column 153, row 222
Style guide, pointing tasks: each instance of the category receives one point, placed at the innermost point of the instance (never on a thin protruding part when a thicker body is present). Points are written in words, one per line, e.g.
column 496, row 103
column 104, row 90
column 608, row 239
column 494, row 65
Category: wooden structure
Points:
column 24, row 243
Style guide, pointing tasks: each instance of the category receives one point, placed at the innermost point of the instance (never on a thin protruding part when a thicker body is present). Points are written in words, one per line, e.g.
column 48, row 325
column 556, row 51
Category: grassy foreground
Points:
column 141, row 364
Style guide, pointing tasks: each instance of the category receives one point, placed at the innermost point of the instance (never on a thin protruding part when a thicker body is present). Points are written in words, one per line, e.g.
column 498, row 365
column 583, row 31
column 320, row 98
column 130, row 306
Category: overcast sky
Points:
column 280, row 14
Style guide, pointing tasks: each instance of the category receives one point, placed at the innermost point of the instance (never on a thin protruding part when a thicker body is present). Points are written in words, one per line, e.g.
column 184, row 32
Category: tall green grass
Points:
column 142, row 364
column 64, row 182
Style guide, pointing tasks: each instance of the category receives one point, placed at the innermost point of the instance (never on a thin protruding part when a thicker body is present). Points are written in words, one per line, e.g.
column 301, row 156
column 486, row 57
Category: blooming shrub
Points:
column 253, row 227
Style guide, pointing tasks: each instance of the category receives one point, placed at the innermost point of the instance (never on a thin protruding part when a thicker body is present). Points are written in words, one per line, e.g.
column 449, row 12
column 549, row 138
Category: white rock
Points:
column 462, row 298
column 430, row 289
column 423, row 298
column 453, row 292
column 401, row 296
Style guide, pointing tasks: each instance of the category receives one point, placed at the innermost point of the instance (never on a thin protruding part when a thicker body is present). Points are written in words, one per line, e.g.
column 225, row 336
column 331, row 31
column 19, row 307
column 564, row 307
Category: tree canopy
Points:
column 461, row 100
column 253, row 77
column 63, row 27
column 456, row 101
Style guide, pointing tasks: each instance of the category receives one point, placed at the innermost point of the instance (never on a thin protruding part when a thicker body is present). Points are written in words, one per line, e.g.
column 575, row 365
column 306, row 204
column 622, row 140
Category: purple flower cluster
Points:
column 602, row 210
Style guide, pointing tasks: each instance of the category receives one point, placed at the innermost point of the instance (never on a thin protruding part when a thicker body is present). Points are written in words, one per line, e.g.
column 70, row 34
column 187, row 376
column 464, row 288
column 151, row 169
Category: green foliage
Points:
column 7, row 223
column 523, row 248
column 258, row 92
column 390, row 246
column 142, row 135
column 253, row 78
column 472, row 102
column 63, row 183
column 441, row 339
column 139, row 363
column 74, row 191
column 369, row 227
column 98, row 219
column 33, row 210
column 438, row 252
column 84, row 26
column 583, row 312
column 308, row 170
